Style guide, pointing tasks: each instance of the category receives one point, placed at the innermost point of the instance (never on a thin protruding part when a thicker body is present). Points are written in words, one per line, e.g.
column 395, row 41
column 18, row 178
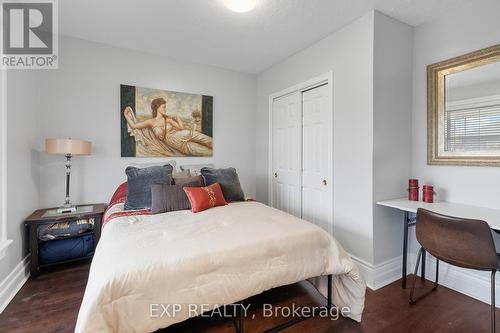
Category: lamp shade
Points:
column 68, row 146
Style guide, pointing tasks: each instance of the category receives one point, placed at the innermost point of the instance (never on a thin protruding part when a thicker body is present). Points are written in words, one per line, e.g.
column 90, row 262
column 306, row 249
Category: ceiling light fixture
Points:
column 240, row 6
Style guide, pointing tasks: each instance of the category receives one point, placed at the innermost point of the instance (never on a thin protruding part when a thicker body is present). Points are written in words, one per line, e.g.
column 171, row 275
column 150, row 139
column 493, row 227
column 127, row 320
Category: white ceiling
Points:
column 204, row 31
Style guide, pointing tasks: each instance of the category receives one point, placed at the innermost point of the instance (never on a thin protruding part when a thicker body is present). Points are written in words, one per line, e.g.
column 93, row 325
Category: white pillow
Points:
column 194, row 169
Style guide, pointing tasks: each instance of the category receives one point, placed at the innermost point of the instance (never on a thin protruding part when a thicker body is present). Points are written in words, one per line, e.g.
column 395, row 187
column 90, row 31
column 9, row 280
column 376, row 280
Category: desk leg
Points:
column 405, row 250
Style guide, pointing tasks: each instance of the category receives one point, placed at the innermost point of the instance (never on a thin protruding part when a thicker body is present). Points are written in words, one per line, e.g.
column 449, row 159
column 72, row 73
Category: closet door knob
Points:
column 324, row 182
column 275, row 175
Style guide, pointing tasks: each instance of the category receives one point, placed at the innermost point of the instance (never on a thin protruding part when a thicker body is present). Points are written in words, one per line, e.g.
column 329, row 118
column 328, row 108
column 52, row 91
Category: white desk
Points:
column 491, row 216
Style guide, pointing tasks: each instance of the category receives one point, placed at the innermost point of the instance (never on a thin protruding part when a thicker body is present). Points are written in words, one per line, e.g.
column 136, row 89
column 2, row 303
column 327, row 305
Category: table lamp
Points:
column 68, row 148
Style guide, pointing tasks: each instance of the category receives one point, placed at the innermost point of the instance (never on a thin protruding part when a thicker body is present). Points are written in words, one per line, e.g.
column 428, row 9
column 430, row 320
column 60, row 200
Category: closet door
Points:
column 317, row 157
column 287, row 153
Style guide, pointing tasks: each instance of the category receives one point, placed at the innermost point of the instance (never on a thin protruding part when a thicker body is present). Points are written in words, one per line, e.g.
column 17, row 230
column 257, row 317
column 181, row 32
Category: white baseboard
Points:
column 472, row 283
column 13, row 282
column 380, row 275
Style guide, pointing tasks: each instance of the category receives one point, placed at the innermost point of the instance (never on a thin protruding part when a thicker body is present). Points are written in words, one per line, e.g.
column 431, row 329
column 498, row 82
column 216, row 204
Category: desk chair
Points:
column 460, row 242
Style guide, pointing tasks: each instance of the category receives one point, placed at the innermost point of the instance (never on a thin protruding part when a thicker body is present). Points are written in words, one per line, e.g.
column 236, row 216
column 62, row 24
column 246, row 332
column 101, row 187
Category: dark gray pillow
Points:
column 169, row 198
column 228, row 180
column 139, row 184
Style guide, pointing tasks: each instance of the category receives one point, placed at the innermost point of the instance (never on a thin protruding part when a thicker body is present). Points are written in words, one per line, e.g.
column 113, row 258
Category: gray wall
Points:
column 372, row 68
column 23, row 177
column 472, row 27
column 82, row 100
column 371, row 60
column 348, row 53
column 391, row 130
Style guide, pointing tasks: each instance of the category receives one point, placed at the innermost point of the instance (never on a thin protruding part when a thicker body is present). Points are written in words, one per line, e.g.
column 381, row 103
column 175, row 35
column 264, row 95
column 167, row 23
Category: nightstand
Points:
column 63, row 236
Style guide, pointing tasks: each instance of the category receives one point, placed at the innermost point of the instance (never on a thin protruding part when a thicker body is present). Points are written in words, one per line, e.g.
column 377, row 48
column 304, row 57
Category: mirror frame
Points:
column 436, row 74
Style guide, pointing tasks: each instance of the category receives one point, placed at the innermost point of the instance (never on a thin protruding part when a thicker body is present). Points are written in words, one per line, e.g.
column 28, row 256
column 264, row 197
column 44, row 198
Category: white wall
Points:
column 23, row 177
column 3, row 155
column 349, row 54
column 392, row 104
column 472, row 27
column 369, row 59
column 469, row 28
column 82, row 100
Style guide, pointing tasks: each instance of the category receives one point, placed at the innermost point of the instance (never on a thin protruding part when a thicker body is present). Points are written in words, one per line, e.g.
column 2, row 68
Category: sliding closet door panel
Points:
column 287, row 146
column 317, row 155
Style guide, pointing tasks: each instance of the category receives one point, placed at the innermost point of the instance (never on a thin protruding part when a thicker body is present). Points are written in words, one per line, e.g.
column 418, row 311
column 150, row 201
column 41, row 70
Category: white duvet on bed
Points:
column 219, row 256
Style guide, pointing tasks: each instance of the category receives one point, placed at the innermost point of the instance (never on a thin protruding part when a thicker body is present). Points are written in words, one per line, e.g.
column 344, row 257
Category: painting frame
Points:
column 165, row 123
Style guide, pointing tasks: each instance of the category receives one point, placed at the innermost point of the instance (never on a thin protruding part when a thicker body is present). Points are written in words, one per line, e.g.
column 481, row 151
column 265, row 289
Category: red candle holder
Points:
column 413, row 189
column 428, row 193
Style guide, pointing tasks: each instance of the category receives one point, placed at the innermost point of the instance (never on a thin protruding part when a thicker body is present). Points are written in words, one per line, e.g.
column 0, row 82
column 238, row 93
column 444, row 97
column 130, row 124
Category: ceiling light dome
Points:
column 240, row 6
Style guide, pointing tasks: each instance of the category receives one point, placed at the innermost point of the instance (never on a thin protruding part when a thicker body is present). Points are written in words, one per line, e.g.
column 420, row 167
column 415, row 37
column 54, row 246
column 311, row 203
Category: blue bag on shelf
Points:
column 65, row 249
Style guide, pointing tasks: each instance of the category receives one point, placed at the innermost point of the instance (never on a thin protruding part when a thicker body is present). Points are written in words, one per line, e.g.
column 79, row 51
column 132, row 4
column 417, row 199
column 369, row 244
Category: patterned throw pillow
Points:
column 228, row 180
column 203, row 198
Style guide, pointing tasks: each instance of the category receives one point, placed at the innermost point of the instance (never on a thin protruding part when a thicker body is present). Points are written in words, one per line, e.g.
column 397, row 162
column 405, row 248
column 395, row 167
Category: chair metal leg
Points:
column 422, row 270
column 412, row 301
column 437, row 275
column 493, row 328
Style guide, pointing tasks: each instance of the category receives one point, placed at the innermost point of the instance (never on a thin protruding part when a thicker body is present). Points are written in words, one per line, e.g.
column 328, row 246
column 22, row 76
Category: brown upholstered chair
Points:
column 460, row 242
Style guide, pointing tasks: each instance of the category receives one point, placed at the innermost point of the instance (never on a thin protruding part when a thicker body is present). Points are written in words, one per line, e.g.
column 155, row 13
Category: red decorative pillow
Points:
column 203, row 198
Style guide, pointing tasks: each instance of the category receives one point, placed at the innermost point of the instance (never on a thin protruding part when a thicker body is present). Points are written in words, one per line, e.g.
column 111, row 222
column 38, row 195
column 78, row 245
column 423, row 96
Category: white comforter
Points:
column 219, row 256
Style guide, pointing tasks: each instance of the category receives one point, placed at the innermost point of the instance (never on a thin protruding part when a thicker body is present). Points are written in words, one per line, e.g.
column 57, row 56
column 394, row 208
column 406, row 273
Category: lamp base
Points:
column 66, row 209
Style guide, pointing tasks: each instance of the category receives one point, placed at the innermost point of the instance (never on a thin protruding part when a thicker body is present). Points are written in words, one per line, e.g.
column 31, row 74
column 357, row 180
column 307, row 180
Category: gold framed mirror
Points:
column 463, row 116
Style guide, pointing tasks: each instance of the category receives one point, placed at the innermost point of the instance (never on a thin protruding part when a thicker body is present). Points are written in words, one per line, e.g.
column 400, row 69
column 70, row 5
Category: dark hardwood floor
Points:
column 51, row 302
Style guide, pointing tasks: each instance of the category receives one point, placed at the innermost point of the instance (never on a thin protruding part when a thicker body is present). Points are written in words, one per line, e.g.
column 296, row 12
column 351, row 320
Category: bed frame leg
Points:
column 239, row 323
column 242, row 319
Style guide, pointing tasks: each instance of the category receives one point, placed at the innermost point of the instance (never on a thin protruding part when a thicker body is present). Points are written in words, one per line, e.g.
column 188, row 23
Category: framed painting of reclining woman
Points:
column 156, row 123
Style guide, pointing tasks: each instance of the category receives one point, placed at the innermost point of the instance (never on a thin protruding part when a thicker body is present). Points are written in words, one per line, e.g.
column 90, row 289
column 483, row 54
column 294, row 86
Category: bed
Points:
column 219, row 256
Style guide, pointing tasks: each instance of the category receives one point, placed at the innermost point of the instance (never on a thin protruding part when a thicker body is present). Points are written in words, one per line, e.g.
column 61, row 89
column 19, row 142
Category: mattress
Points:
column 216, row 257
